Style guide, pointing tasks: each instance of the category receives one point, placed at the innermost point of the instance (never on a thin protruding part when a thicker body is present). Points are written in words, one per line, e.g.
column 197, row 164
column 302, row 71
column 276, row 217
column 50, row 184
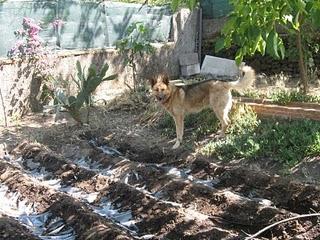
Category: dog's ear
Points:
column 165, row 79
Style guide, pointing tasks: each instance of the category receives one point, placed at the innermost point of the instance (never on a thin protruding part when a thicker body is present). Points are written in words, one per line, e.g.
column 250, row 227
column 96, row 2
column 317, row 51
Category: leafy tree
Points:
column 136, row 42
column 254, row 27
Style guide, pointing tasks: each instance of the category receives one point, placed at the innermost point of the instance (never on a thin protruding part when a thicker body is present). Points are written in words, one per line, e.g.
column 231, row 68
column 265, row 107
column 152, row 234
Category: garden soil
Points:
column 118, row 179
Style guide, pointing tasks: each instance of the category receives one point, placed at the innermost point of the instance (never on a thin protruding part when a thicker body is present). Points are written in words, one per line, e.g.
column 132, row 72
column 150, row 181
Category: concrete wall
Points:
column 18, row 86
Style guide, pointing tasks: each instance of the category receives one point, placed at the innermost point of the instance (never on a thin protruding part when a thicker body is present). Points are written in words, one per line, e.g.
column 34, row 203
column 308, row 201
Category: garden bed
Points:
column 118, row 179
column 292, row 110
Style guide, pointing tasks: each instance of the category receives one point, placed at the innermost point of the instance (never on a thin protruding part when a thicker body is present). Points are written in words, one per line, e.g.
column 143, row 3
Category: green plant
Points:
column 175, row 4
column 253, row 27
column 86, row 84
column 191, row 4
column 201, row 123
column 286, row 142
column 39, row 62
column 136, row 42
column 285, row 97
column 149, row 2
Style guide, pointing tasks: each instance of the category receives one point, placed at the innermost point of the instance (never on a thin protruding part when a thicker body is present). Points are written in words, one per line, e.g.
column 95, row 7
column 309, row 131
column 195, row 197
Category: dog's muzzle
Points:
column 161, row 97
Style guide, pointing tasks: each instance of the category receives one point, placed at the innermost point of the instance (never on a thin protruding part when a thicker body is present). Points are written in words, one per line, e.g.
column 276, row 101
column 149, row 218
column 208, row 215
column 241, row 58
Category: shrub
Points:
column 87, row 84
column 135, row 43
column 286, row 142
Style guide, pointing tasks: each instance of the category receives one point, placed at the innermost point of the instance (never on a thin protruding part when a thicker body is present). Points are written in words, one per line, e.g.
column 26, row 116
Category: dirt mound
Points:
column 120, row 180
column 106, row 194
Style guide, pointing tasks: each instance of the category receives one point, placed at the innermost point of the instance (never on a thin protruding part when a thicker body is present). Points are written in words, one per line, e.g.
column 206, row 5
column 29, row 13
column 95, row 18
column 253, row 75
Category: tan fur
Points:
column 179, row 101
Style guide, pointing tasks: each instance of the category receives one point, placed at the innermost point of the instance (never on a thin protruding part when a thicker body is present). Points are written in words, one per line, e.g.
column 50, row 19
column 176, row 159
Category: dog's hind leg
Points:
column 179, row 121
column 222, row 108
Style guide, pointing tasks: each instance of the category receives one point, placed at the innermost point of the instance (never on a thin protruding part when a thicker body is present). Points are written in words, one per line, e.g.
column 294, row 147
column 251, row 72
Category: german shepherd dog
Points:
column 181, row 100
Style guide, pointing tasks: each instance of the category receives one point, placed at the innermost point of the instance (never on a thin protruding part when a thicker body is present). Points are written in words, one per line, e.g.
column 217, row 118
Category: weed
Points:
column 166, row 123
column 282, row 96
column 151, row 2
column 199, row 124
column 285, row 97
column 134, row 44
column 287, row 142
column 249, row 93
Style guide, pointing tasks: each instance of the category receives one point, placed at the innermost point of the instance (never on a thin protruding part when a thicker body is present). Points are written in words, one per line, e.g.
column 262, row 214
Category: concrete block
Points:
column 219, row 66
column 190, row 70
column 188, row 59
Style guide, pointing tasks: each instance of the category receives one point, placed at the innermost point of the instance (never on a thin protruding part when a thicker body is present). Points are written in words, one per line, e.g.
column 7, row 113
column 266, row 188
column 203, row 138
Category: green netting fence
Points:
column 86, row 24
column 215, row 8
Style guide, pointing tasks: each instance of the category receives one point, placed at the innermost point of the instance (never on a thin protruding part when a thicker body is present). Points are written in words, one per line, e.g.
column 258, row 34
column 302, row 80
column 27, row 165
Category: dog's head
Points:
column 160, row 87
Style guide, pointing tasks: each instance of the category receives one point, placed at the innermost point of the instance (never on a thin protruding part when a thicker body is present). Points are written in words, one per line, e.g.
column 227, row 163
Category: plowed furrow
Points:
column 150, row 215
column 141, row 151
column 172, row 203
column 163, row 218
column 296, row 197
column 11, row 229
column 16, row 181
column 232, row 209
column 86, row 223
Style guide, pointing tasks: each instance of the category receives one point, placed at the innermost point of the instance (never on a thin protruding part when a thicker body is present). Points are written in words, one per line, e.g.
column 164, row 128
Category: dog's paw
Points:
column 218, row 135
column 176, row 145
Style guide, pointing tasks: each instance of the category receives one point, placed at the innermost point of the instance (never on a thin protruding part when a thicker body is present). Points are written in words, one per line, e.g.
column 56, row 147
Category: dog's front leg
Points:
column 179, row 121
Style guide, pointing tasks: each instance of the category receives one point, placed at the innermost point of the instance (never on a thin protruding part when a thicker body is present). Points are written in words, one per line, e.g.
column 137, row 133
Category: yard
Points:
column 86, row 167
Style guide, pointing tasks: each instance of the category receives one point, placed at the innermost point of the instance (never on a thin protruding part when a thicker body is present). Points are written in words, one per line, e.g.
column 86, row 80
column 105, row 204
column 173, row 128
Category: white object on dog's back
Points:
column 219, row 66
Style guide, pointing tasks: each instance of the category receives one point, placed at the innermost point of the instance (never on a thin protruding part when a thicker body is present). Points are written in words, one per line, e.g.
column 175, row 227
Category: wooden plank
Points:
column 284, row 111
column 269, row 101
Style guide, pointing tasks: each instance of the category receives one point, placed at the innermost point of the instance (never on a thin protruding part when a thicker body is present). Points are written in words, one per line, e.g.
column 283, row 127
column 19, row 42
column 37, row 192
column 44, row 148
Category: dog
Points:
column 181, row 100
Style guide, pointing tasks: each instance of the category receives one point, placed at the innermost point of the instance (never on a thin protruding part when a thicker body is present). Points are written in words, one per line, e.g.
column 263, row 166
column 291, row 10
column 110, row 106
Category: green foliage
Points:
column 150, row 2
column 87, row 84
column 286, row 142
column 175, row 4
column 200, row 124
column 244, row 120
column 136, row 42
column 252, row 25
column 285, row 97
column 282, row 97
column 191, row 4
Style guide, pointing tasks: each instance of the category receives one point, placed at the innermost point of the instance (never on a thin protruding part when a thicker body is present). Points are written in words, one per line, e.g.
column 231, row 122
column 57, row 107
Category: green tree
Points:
column 254, row 26
column 135, row 43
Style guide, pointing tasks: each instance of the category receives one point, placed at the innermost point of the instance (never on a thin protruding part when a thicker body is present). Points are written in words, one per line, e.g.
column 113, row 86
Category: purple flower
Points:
column 30, row 43
column 34, row 29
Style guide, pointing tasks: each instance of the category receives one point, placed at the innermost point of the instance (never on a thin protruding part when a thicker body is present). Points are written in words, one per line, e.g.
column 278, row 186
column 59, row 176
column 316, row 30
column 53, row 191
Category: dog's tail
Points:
column 247, row 79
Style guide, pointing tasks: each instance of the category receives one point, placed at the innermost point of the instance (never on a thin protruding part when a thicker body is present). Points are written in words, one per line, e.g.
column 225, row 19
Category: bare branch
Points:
column 282, row 221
